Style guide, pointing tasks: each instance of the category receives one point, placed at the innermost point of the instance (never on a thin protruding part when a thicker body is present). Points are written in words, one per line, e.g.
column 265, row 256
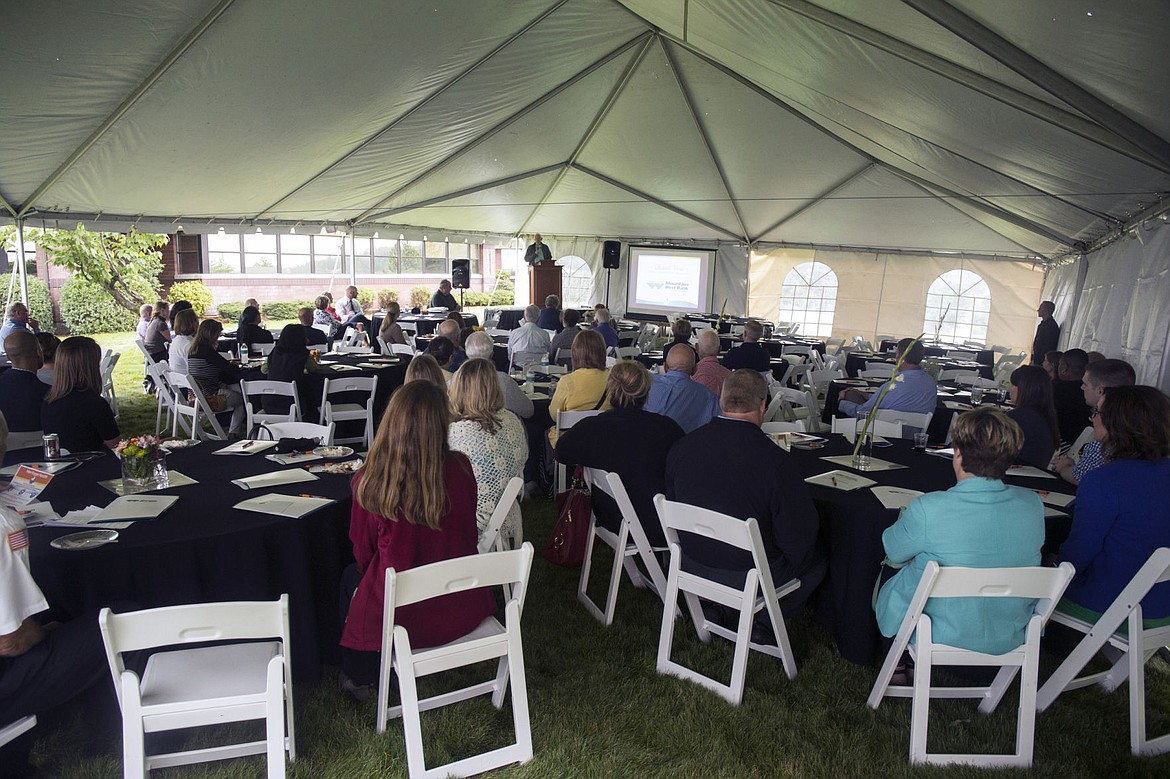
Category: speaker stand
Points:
column 607, row 272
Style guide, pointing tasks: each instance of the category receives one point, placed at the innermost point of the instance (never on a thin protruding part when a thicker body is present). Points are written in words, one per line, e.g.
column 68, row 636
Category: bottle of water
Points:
column 243, row 353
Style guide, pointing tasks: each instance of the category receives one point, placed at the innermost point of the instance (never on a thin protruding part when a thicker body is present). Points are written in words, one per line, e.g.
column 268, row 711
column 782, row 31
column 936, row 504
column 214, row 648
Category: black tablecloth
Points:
column 390, row 377
column 984, row 356
column 855, row 362
column 940, row 423
column 775, row 346
column 426, row 323
column 202, row 550
column 651, row 359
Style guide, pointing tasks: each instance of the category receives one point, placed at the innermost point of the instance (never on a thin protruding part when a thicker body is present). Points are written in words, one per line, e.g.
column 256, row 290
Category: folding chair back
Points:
column 492, row 540
column 907, row 419
column 198, row 411
column 628, row 352
column 564, row 421
column 628, row 544
column 1131, row 650
column 279, row 430
column 167, row 400
column 958, row 354
column 203, row 685
column 849, row 427
column 783, row 427
column 758, row 593
column 14, row 730
column 877, row 370
column 1074, row 451
column 361, row 410
column 106, row 369
column 490, row 640
column 256, row 391
column 1043, row 585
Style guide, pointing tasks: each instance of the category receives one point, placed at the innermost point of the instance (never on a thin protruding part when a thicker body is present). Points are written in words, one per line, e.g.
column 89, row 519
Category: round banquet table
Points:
column 951, row 399
column 855, row 363
column 851, row 530
column 202, row 549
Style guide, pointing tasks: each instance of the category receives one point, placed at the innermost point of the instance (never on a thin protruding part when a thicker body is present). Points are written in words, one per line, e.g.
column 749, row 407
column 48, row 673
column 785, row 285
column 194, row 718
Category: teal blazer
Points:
column 978, row 523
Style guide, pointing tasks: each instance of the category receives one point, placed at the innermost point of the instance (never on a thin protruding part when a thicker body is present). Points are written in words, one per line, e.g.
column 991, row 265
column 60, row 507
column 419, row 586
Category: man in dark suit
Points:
column 538, row 251
column 1068, row 396
column 21, row 392
column 749, row 354
column 1047, row 332
column 754, row 478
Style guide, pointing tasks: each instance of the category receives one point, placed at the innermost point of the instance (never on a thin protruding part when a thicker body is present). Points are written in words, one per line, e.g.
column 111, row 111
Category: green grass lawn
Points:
column 599, row 709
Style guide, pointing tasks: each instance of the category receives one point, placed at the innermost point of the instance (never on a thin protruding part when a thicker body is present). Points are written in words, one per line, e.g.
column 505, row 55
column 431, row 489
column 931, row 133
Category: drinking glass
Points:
column 863, row 454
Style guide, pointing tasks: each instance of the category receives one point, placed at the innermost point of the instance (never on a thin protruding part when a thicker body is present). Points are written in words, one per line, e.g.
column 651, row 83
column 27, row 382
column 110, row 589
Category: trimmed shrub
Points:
column 387, row 296
column 40, row 304
column 283, row 309
column 366, row 297
column 194, row 292
column 89, row 308
column 230, row 312
column 419, row 297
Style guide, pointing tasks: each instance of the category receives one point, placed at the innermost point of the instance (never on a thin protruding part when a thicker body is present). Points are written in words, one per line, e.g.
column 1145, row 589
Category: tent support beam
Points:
column 689, row 100
column 764, row 246
column 564, row 85
column 934, row 191
column 172, row 56
column 1011, row 56
column 661, row 203
column 815, row 200
column 603, row 112
column 419, row 105
column 462, row 193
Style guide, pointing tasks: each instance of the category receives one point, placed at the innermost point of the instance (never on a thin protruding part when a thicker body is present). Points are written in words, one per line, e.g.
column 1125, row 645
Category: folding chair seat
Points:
column 565, row 420
column 628, row 544
column 1045, row 585
column 757, row 593
column 492, row 540
column 489, row 641
column 279, row 430
column 256, row 391
column 198, row 411
column 197, row 685
column 1128, row 650
column 350, row 410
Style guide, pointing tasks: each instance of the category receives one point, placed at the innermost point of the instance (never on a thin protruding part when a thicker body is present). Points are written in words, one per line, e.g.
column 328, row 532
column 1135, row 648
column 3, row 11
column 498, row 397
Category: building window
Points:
column 259, row 253
column 223, row 253
column 296, row 254
column 385, row 256
column 958, row 305
column 576, row 282
column 809, row 297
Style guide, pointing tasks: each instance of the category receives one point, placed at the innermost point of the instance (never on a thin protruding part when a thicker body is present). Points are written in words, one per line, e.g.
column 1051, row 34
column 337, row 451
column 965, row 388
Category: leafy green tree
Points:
column 126, row 265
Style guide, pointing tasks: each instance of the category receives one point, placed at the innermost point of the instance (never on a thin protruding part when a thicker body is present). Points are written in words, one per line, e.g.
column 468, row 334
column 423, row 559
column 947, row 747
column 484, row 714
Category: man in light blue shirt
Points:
column 679, row 397
column 911, row 388
column 17, row 319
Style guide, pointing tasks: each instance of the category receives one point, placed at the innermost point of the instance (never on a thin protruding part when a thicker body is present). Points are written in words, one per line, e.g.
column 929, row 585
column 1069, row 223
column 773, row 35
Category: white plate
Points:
column 333, row 451
column 343, row 468
column 87, row 539
column 180, row 443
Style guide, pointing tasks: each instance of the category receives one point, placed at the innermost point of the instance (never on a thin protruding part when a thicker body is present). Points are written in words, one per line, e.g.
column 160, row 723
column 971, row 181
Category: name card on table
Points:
column 275, row 478
column 291, row 506
column 841, row 480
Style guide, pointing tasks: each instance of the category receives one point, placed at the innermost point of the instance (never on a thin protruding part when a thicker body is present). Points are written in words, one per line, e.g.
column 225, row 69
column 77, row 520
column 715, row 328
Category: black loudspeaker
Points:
column 461, row 274
column 611, row 254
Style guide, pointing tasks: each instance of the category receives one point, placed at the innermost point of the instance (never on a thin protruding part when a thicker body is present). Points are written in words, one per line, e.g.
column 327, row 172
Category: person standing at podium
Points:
column 538, row 251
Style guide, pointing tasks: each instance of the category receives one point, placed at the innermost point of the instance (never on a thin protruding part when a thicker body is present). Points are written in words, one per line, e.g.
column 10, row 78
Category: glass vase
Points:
column 142, row 474
column 863, row 446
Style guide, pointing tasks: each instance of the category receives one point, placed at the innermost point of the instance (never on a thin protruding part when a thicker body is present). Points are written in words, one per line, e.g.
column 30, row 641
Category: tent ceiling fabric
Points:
column 826, row 122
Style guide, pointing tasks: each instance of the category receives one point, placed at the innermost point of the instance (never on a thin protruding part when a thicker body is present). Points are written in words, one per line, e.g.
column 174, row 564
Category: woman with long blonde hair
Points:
column 74, row 408
column 413, row 504
column 492, row 437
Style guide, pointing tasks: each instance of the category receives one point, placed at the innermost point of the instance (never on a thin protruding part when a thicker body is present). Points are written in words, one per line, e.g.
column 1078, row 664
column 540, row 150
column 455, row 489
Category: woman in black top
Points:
column 74, row 409
column 1031, row 394
column 287, row 362
column 681, row 329
column 250, row 331
column 214, row 376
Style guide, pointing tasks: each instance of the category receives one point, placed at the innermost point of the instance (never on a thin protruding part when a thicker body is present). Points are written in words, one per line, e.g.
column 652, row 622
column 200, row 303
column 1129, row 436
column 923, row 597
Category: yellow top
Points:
column 577, row 391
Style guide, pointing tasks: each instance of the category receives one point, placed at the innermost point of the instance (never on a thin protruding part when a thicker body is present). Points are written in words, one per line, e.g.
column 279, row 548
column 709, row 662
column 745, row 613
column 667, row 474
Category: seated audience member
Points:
column 676, row 395
column 176, row 307
column 443, row 351
column 681, row 330
column 751, row 353
column 21, row 392
column 18, row 319
column 391, row 331
column 1051, row 364
column 412, row 505
column 708, row 371
column 287, row 361
column 49, row 344
column 313, row 336
column 1093, row 357
column 492, row 437
column 74, row 408
column 1098, row 377
column 145, row 311
column 424, row 367
column 443, row 297
column 604, row 326
column 250, row 331
column 550, row 315
column 448, row 330
column 186, row 323
column 214, row 376
column 329, row 309
column 158, row 332
column 911, row 388
column 321, row 316
column 1123, row 507
column 628, row 441
column 249, row 303
column 480, row 347
column 583, row 388
column 567, row 332
column 1031, row 396
column 1068, row 396
column 979, row 523
column 754, row 478
column 528, row 343
column 351, row 312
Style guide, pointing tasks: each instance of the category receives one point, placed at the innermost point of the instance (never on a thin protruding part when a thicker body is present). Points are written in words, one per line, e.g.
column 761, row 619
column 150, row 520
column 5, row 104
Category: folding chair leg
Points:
column 743, row 641
column 274, row 721
column 521, row 721
column 411, row 721
column 501, row 686
column 920, row 710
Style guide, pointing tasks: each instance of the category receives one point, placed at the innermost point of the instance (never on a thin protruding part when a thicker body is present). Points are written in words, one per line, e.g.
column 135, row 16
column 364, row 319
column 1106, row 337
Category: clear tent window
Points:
column 809, row 297
column 958, row 307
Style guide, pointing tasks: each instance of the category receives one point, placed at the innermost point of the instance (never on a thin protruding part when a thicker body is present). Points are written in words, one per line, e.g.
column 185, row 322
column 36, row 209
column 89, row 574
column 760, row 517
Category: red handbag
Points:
column 566, row 546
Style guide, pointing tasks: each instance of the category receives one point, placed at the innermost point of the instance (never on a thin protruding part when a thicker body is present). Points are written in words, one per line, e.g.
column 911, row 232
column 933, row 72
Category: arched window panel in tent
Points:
column 576, row 282
column 958, row 306
column 809, row 297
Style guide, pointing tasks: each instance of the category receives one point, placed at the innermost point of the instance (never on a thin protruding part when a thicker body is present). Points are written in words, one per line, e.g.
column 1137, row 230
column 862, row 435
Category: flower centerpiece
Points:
column 144, row 463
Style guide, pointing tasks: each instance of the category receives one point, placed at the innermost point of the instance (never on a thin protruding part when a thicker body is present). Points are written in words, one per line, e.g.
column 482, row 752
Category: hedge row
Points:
column 88, row 308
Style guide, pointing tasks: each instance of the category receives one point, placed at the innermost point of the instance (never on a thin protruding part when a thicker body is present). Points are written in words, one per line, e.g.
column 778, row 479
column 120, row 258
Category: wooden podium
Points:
column 544, row 279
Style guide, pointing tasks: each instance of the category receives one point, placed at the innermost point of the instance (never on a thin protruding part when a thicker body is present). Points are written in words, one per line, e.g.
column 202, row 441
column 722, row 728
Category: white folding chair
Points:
column 203, row 685
column 327, row 329
column 783, row 427
column 957, row 375
column 1128, row 651
column 998, row 349
column 271, row 389
column 524, row 359
column 907, row 419
column 14, row 730
column 758, row 593
column 833, row 345
column 1074, row 451
column 877, row 370
column 799, row 350
column 968, row 379
column 492, row 540
column 410, row 331
column 333, row 412
column 628, row 352
column 198, row 411
column 489, row 641
column 848, row 426
column 261, row 350
column 279, row 430
column 564, row 357
column 790, row 405
column 1045, row 585
column 819, row 380
column 959, row 354
column 167, row 400
column 628, row 544
column 106, row 369
column 565, row 420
